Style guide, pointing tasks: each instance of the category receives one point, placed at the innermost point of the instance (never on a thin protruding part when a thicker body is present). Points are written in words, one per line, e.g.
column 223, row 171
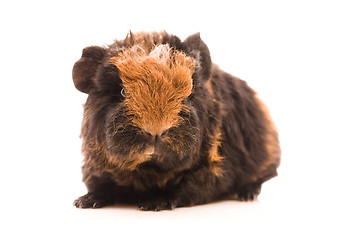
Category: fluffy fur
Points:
column 164, row 127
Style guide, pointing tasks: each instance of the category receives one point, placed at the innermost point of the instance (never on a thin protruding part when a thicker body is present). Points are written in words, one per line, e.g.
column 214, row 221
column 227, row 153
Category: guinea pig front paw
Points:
column 89, row 200
column 158, row 205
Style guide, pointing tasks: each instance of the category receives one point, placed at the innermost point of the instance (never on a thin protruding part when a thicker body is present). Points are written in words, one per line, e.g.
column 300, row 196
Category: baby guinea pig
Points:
column 164, row 127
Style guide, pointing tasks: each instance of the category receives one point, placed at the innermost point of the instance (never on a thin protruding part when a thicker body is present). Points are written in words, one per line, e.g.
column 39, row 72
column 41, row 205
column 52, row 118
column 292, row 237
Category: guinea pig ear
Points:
column 85, row 68
column 197, row 49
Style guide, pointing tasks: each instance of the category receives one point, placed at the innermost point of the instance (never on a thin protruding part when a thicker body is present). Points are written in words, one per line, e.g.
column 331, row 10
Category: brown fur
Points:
column 144, row 40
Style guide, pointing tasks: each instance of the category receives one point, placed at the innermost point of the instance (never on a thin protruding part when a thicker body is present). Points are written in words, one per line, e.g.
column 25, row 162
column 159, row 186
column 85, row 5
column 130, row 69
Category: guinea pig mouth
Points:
column 149, row 151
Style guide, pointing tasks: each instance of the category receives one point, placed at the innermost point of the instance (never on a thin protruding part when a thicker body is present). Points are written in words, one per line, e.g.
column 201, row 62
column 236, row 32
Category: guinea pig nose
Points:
column 157, row 133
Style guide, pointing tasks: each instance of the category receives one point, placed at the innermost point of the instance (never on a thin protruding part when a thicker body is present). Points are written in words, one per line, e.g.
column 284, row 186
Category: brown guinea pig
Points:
column 164, row 127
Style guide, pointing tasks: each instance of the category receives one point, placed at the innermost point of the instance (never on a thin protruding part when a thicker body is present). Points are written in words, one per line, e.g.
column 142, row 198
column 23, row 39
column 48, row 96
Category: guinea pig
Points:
column 164, row 127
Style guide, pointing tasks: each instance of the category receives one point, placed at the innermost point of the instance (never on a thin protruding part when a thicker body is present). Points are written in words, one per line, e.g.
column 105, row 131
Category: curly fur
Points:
column 164, row 127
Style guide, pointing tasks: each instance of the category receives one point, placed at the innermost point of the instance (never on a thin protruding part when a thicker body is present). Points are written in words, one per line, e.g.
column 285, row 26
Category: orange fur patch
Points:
column 155, row 82
column 271, row 139
column 209, row 88
column 214, row 157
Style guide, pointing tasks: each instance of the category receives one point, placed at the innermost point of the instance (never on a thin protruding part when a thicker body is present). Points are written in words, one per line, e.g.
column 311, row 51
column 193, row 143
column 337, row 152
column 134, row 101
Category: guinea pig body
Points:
column 164, row 127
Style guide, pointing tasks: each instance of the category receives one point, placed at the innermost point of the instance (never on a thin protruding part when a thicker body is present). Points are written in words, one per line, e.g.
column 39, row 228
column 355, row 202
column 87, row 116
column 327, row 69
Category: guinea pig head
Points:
column 140, row 110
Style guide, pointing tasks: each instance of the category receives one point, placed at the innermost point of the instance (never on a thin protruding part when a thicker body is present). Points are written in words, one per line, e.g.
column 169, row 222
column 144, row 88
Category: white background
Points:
column 303, row 57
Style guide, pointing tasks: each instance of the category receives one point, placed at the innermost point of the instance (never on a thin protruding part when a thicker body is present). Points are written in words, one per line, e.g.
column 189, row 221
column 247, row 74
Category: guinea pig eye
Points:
column 122, row 92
